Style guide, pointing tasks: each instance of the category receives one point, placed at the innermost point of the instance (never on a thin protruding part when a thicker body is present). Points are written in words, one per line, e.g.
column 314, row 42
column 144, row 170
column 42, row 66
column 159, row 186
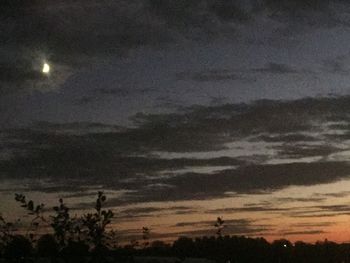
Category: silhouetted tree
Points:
column 61, row 223
column 7, row 230
column 96, row 223
column 145, row 236
column 86, row 238
column 219, row 225
column 35, row 211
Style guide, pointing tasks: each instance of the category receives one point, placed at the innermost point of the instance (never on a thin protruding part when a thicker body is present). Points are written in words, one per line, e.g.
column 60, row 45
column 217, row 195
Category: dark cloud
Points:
column 320, row 211
column 315, row 224
column 221, row 124
column 80, row 194
column 335, row 208
column 134, row 213
column 256, row 178
column 112, row 92
column 73, row 128
column 131, row 158
column 318, row 215
column 206, row 18
column 230, row 11
column 299, row 151
column 231, row 227
column 288, row 138
column 247, row 209
column 293, row 199
column 11, row 74
column 25, row 73
column 245, row 75
column 169, row 156
column 336, row 65
column 305, row 232
column 241, row 119
column 213, row 76
column 99, row 94
column 297, row 5
column 309, row 14
column 337, row 194
column 239, row 222
column 276, row 68
column 85, row 100
column 141, row 212
column 70, row 150
column 178, row 13
column 71, row 35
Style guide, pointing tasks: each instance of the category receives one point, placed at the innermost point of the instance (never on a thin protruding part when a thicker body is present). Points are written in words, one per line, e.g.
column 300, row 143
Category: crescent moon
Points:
column 46, row 68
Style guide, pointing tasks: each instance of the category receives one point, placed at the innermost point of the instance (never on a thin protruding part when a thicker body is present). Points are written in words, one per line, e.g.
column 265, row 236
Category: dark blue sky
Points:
column 181, row 109
column 110, row 60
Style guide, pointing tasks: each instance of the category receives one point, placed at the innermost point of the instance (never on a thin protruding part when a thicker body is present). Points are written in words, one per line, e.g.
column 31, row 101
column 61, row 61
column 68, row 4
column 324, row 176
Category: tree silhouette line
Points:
column 87, row 238
column 71, row 237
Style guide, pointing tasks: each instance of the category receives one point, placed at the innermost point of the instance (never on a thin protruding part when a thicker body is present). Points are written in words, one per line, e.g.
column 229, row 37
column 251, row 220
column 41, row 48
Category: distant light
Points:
column 46, row 68
column 285, row 245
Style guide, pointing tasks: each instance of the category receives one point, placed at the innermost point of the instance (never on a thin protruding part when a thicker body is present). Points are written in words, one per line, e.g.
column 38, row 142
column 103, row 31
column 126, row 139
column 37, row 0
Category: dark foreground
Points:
column 206, row 249
column 86, row 239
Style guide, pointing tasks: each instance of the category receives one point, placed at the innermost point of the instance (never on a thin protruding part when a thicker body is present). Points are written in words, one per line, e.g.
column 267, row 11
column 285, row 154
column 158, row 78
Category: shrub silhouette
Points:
column 47, row 246
column 96, row 223
column 86, row 238
column 17, row 249
column 7, row 230
column 145, row 236
column 70, row 234
column 183, row 247
column 61, row 223
column 219, row 225
column 75, row 251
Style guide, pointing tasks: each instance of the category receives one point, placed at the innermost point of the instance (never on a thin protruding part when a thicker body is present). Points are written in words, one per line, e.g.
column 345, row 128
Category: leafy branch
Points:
column 97, row 222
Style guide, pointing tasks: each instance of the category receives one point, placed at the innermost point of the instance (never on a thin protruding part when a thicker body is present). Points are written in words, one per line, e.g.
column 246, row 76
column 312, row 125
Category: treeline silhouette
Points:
column 87, row 238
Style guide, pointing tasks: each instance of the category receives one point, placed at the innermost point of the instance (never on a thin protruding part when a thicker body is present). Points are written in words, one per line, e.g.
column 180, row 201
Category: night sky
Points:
column 181, row 111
